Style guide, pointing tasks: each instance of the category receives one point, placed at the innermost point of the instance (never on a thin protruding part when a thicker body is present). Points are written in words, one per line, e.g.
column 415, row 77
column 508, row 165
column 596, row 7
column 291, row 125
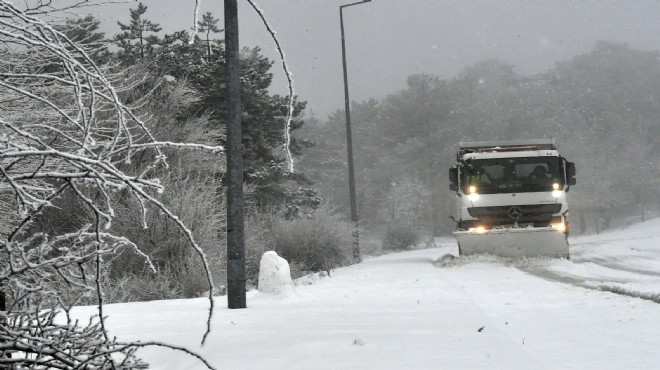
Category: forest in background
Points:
column 602, row 108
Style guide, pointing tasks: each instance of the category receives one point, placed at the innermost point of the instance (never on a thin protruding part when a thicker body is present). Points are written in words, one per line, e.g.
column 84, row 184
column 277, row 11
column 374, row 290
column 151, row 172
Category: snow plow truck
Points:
column 511, row 198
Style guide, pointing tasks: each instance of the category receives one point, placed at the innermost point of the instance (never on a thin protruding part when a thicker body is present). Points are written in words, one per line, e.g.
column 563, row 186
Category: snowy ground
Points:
column 405, row 311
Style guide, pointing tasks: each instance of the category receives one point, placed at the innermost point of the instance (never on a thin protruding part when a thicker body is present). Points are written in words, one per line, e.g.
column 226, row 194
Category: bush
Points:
column 399, row 236
column 257, row 242
column 142, row 287
column 320, row 242
column 197, row 199
column 370, row 245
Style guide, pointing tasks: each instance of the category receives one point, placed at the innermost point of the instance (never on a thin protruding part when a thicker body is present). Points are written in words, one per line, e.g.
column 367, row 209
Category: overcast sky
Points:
column 387, row 40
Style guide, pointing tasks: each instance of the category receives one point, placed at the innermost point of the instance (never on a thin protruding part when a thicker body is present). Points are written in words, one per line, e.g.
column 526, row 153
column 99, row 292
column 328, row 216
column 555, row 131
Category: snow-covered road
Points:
column 624, row 262
column 404, row 311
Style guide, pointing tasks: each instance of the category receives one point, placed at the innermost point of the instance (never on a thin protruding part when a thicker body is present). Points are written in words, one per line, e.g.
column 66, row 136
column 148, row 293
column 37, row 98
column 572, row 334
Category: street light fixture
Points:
column 349, row 137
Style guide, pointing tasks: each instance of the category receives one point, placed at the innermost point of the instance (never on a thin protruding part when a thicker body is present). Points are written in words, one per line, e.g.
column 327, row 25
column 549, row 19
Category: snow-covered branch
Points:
column 290, row 108
column 67, row 137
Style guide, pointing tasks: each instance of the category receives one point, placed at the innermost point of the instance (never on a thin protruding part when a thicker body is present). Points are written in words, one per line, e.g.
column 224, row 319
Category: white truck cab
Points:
column 511, row 188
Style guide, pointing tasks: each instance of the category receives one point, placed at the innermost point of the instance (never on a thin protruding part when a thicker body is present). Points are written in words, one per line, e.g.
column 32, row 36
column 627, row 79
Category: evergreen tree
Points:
column 135, row 39
column 263, row 119
column 207, row 25
column 84, row 32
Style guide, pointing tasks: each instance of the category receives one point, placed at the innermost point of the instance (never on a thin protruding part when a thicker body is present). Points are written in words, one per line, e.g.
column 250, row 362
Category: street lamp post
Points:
column 349, row 137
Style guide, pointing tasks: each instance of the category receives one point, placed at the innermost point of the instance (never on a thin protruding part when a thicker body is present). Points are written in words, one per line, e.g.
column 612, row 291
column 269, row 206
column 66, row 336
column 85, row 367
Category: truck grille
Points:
column 500, row 215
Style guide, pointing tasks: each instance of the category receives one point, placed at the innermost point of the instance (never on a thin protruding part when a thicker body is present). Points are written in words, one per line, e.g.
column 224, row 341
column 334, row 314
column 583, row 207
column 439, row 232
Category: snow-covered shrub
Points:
column 142, row 287
column 202, row 207
column 400, row 236
column 258, row 240
column 321, row 241
column 370, row 245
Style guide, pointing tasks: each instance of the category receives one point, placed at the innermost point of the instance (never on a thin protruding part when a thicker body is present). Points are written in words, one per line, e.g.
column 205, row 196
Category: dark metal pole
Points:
column 235, row 229
column 349, row 139
column 3, row 307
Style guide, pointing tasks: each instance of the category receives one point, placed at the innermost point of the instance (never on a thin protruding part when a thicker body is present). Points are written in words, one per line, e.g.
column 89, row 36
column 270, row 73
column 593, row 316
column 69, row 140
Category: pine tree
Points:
column 207, row 25
column 134, row 35
column 263, row 119
column 84, row 32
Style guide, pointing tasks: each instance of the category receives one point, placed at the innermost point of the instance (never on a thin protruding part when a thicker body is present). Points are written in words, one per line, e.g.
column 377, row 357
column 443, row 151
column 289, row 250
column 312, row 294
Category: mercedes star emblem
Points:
column 515, row 212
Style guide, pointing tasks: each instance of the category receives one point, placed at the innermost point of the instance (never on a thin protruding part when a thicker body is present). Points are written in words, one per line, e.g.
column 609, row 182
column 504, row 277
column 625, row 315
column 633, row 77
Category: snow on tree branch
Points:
column 289, row 116
column 41, row 7
column 67, row 136
column 195, row 27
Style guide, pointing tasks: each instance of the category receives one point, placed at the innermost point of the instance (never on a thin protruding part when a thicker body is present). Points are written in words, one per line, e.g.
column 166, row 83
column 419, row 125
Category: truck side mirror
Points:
column 453, row 179
column 570, row 173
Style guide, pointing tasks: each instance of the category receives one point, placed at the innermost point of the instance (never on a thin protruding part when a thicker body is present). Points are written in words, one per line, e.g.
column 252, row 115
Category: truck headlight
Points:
column 560, row 226
column 473, row 197
column 472, row 193
column 478, row 229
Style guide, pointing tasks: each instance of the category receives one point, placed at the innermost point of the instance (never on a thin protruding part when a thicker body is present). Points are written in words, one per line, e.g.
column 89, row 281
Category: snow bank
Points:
column 274, row 274
column 311, row 278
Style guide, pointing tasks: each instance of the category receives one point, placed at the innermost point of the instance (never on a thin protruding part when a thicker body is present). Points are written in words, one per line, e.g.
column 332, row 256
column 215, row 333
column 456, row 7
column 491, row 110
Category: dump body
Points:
column 511, row 198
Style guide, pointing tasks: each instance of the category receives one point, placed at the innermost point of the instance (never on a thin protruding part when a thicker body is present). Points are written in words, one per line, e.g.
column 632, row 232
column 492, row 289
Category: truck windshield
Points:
column 512, row 175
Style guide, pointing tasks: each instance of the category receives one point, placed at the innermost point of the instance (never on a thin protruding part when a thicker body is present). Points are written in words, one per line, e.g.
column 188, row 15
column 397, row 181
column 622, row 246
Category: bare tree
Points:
column 66, row 135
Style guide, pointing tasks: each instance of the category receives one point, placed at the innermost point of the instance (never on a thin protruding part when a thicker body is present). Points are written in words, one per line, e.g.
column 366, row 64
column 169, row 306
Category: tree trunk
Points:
column 141, row 45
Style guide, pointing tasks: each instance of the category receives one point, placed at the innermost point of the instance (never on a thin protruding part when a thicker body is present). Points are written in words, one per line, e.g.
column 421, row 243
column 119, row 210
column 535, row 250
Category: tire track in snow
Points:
column 618, row 266
column 578, row 256
column 570, row 280
column 600, row 242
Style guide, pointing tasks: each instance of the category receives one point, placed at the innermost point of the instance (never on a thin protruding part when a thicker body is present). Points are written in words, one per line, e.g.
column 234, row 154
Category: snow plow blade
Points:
column 514, row 242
